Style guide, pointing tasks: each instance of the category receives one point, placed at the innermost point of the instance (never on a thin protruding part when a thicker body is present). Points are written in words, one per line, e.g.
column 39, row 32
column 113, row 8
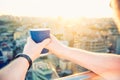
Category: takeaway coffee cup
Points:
column 38, row 35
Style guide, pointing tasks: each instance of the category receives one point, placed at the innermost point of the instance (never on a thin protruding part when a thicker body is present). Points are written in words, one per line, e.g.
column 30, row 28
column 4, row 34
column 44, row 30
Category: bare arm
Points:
column 17, row 69
column 105, row 65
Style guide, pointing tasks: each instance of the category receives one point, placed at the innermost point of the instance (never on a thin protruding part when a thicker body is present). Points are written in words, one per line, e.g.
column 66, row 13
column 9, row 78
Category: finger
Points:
column 28, row 38
column 53, row 37
column 44, row 43
column 30, row 41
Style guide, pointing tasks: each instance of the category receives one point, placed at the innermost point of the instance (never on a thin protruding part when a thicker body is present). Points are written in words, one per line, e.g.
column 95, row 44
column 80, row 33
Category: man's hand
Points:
column 33, row 49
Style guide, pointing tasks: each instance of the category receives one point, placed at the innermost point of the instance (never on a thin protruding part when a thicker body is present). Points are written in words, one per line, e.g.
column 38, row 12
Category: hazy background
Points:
column 65, row 8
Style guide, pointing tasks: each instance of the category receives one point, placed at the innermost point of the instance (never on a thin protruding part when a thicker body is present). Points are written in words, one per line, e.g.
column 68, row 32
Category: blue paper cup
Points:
column 38, row 35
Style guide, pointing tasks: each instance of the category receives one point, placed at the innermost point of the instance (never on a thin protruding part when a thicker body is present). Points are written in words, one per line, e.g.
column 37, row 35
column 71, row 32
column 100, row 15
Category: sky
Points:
column 64, row 8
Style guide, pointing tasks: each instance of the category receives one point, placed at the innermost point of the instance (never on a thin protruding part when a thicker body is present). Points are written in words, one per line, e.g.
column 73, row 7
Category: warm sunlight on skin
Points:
column 64, row 8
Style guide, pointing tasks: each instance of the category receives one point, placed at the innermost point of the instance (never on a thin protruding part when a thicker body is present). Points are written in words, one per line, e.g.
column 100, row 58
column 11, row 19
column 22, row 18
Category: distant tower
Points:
column 118, row 45
column 95, row 44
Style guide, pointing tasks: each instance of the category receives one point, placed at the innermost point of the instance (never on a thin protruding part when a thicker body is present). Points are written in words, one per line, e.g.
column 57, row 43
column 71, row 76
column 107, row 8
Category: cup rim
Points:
column 39, row 29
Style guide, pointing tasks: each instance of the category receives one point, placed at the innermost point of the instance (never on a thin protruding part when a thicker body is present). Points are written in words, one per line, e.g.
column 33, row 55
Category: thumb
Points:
column 44, row 43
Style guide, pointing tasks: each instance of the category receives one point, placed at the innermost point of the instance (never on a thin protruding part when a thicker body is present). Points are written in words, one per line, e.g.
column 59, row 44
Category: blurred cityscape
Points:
column 92, row 34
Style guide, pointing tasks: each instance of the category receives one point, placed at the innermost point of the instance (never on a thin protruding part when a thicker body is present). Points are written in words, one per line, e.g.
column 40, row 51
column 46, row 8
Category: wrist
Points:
column 61, row 51
column 31, row 54
column 25, row 57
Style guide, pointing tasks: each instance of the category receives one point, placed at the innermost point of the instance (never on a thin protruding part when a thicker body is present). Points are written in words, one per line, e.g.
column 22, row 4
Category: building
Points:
column 92, row 42
column 20, row 32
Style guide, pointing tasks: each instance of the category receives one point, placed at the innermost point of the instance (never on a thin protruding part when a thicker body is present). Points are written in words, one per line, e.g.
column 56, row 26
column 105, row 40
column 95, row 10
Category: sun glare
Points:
column 64, row 8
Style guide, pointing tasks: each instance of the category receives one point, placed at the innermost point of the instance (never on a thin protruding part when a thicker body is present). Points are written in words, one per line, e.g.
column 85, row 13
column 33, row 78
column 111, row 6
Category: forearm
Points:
column 80, row 57
column 16, row 70
column 102, row 64
column 95, row 61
